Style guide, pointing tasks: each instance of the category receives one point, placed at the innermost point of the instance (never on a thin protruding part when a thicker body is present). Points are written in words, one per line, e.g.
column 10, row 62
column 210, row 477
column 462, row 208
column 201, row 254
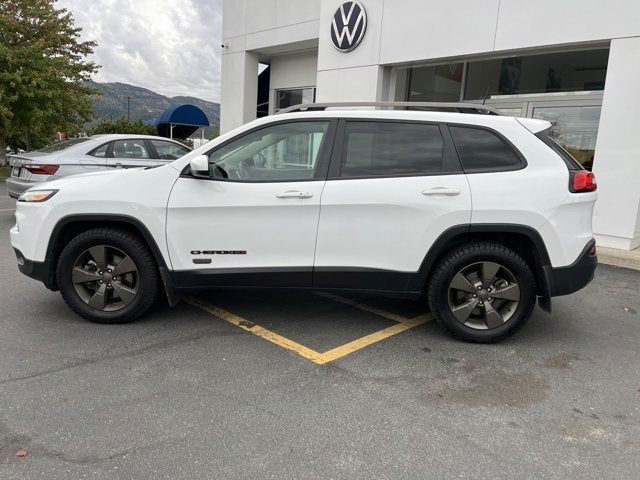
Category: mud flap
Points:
column 545, row 304
column 172, row 296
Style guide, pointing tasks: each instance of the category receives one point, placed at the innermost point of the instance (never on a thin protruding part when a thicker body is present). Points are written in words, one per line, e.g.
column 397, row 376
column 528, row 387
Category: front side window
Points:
column 287, row 151
column 482, row 150
column 130, row 149
column 383, row 149
column 169, row 150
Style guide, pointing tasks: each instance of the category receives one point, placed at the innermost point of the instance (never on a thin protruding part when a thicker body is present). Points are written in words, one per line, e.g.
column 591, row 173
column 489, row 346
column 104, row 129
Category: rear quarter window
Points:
column 481, row 150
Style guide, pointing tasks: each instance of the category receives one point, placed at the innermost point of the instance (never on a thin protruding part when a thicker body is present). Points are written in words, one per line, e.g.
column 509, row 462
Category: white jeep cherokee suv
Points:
column 480, row 213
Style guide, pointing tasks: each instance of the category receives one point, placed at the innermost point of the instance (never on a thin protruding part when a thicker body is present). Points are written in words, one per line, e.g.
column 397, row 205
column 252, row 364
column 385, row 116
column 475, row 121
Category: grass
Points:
column 5, row 171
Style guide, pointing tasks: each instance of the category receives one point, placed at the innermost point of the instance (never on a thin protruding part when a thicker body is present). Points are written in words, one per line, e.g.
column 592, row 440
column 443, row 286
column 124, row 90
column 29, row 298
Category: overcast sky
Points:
column 168, row 46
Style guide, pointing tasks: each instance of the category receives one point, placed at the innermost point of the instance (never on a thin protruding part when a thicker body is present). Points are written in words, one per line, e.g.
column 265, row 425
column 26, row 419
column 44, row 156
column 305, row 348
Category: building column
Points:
column 616, row 221
column 239, row 93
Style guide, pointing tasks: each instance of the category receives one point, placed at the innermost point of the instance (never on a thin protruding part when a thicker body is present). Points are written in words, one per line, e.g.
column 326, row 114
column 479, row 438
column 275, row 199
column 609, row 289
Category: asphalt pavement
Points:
column 228, row 386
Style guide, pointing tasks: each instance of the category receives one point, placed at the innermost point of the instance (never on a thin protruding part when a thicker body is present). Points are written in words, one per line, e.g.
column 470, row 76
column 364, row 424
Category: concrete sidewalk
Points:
column 619, row 258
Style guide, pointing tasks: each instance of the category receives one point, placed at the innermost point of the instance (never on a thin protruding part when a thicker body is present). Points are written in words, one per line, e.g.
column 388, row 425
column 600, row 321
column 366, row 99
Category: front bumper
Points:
column 17, row 186
column 574, row 277
column 40, row 271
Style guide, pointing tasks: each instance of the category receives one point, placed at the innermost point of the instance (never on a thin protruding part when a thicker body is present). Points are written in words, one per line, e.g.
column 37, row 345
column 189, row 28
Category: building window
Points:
column 441, row 83
column 519, row 75
column 549, row 73
column 295, row 96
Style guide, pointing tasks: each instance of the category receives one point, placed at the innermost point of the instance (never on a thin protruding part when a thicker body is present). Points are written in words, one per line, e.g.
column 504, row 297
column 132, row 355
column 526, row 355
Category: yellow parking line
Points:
column 306, row 352
column 363, row 306
column 372, row 338
column 279, row 340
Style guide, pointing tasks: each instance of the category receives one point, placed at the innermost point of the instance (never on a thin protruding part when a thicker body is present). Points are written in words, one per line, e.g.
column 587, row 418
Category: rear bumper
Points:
column 570, row 279
column 17, row 186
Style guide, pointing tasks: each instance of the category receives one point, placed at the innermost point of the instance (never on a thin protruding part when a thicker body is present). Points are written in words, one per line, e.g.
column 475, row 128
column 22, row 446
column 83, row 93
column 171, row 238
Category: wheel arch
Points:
column 72, row 225
column 524, row 240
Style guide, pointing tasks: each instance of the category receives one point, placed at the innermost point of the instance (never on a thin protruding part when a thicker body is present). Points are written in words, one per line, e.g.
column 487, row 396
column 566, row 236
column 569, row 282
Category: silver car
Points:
column 89, row 154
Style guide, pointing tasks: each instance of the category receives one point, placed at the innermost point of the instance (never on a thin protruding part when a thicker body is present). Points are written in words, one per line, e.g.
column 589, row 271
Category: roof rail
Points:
column 438, row 106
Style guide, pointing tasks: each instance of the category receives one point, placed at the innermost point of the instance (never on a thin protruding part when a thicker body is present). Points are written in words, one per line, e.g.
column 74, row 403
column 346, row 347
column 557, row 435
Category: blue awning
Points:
column 185, row 119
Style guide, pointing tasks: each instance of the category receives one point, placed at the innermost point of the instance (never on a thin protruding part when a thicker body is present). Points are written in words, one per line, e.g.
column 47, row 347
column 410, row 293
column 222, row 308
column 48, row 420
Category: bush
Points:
column 121, row 125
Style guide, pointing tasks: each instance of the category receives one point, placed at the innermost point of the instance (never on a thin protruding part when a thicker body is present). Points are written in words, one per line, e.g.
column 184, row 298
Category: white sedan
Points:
column 89, row 154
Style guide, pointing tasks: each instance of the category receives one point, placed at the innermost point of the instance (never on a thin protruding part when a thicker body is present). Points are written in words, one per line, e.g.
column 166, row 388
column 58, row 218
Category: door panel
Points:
column 258, row 212
column 256, row 220
column 388, row 223
column 414, row 192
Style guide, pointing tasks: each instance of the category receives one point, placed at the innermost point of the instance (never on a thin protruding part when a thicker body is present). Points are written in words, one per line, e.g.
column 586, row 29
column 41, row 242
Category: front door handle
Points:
column 447, row 192
column 294, row 194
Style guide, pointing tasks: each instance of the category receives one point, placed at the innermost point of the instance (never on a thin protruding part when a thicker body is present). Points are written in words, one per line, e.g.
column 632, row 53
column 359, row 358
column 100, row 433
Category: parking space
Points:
column 239, row 384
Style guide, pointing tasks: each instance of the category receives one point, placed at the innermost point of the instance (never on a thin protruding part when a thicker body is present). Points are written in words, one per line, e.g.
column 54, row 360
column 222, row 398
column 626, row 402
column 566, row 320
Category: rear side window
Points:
column 570, row 162
column 379, row 149
column 482, row 150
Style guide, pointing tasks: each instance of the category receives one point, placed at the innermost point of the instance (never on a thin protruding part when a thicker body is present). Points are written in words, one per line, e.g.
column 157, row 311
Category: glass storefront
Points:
column 563, row 88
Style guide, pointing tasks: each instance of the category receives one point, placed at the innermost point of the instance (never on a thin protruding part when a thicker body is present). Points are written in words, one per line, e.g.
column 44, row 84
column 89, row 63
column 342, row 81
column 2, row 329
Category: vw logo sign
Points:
column 348, row 26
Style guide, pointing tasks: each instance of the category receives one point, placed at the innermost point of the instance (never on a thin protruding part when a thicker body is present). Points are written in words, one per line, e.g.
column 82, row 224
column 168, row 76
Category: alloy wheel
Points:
column 484, row 295
column 105, row 278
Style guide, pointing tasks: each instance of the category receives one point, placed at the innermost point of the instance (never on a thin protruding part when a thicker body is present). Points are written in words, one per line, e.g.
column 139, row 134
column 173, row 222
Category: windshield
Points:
column 60, row 146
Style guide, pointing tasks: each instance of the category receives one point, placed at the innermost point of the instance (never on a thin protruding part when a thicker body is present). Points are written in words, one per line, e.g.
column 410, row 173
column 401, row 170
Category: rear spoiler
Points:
column 535, row 126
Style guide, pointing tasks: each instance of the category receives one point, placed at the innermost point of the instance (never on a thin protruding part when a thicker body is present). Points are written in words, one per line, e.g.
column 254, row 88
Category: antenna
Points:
column 486, row 94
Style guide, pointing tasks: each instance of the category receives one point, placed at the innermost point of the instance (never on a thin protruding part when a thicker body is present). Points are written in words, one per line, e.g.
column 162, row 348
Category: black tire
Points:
column 147, row 281
column 444, row 298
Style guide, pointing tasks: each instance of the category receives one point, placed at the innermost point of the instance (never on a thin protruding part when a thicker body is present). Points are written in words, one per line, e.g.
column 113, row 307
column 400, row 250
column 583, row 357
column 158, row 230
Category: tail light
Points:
column 42, row 169
column 582, row 181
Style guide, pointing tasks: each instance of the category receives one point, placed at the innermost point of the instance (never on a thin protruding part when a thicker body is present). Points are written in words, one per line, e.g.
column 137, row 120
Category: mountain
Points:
column 144, row 104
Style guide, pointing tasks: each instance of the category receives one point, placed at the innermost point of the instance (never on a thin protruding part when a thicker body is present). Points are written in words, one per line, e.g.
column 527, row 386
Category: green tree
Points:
column 42, row 69
column 121, row 125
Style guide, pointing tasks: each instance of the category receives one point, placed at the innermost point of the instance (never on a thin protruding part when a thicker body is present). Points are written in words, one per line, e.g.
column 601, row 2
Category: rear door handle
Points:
column 294, row 194
column 447, row 192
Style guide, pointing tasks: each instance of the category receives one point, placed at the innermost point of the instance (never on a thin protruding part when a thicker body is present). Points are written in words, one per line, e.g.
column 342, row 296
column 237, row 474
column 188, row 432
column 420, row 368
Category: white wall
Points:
column 252, row 29
column 617, row 160
column 291, row 70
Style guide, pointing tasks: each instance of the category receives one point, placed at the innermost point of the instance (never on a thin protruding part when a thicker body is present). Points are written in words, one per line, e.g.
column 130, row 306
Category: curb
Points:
column 619, row 258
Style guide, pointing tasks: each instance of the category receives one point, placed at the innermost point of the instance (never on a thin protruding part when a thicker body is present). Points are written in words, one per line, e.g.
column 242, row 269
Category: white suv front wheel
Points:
column 107, row 275
column 482, row 292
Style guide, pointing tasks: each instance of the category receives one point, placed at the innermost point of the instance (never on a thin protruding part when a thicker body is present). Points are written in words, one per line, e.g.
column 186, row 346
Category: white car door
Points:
column 393, row 188
column 254, row 220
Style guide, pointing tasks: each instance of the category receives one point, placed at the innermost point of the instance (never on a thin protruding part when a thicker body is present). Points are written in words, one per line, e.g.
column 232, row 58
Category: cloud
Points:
column 168, row 46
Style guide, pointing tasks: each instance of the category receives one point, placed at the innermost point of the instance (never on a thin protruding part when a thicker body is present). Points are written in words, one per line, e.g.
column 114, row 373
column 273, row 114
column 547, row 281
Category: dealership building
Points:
column 575, row 63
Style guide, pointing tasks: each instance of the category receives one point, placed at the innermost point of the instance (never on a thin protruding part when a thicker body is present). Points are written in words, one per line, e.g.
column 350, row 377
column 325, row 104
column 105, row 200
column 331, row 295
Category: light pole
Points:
column 128, row 109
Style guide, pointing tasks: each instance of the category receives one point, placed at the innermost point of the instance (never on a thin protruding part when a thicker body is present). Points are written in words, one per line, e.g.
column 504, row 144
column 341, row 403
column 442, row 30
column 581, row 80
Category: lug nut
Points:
column 481, row 303
column 475, row 296
column 479, row 288
column 100, row 281
column 114, row 279
column 489, row 298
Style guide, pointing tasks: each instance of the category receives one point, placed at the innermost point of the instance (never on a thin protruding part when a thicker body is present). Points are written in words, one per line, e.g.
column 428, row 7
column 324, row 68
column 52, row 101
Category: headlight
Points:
column 34, row 196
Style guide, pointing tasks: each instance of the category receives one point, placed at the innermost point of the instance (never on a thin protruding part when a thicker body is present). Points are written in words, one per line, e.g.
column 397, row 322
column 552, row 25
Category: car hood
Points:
column 88, row 178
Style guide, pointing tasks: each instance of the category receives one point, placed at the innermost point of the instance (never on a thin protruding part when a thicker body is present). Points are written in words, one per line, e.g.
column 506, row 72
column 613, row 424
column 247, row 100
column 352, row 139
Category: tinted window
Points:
column 101, row 151
column 483, row 150
column 169, row 150
column 387, row 149
column 60, row 146
column 287, row 151
column 130, row 149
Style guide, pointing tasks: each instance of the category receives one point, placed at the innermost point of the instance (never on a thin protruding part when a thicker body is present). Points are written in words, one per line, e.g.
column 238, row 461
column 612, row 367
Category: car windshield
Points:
column 59, row 146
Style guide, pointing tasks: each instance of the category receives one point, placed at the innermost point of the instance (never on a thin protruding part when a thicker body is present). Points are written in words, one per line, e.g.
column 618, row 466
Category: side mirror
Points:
column 199, row 166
